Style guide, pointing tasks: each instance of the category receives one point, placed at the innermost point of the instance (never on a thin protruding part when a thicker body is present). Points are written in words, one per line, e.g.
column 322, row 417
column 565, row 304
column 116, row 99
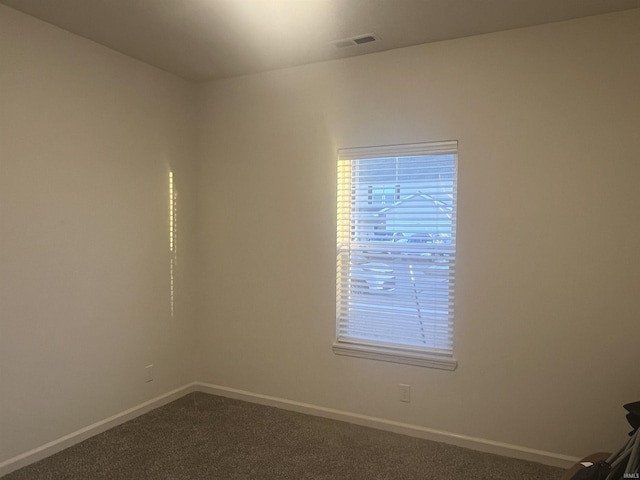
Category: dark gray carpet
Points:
column 203, row 436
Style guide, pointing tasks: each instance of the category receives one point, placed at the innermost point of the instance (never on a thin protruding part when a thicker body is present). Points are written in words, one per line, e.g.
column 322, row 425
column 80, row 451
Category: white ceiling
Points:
column 210, row 39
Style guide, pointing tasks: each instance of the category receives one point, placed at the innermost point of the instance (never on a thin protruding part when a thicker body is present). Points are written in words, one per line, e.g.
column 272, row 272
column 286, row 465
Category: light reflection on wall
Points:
column 344, row 227
column 173, row 257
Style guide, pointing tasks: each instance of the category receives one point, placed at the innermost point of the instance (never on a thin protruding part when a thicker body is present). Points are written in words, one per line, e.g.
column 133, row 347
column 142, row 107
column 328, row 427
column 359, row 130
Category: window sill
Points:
column 395, row 355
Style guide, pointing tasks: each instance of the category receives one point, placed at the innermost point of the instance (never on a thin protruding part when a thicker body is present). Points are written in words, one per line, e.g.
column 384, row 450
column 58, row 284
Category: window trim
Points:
column 395, row 353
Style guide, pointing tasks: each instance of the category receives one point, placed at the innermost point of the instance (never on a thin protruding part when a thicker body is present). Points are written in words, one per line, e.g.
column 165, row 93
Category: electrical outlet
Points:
column 148, row 373
column 405, row 393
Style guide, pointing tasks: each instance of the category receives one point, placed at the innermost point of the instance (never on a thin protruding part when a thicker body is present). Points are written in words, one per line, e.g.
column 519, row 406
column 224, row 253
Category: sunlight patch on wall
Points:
column 344, row 215
column 173, row 257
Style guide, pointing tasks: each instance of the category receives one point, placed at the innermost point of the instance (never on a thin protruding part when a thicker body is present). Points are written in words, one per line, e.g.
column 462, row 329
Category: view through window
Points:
column 396, row 253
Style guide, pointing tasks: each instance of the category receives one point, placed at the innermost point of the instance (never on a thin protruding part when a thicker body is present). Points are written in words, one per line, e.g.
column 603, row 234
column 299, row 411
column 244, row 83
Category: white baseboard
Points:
column 78, row 436
column 474, row 443
column 489, row 446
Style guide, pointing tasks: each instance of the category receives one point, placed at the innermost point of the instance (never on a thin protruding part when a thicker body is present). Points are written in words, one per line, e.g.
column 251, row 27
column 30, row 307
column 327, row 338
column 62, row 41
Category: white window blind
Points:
column 396, row 253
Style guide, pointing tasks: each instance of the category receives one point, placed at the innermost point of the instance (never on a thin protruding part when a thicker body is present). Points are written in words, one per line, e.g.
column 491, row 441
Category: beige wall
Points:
column 547, row 316
column 87, row 137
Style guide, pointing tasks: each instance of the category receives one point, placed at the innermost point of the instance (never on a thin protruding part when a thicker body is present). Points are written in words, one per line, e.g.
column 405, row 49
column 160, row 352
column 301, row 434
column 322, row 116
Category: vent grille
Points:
column 354, row 41
column 365, row 39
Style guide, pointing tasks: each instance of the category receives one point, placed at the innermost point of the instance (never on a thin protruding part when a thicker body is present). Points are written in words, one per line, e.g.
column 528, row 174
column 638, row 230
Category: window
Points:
column 396, row 253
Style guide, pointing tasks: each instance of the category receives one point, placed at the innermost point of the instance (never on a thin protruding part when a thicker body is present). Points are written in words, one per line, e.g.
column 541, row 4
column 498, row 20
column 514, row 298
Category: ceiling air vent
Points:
column 364, row 39
column 354, row 41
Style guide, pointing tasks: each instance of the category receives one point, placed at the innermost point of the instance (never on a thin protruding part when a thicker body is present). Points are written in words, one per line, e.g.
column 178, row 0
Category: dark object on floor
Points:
column 633, row 417
column 625, row 463
column 597, row 471
column 578, row 467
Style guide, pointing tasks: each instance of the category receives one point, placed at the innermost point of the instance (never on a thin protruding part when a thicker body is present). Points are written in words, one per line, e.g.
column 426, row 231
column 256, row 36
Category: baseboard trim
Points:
column 78, row 436
column 474, row 443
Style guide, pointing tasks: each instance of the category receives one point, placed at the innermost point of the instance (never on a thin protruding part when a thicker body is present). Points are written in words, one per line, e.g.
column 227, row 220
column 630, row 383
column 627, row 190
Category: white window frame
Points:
column 349, row 251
